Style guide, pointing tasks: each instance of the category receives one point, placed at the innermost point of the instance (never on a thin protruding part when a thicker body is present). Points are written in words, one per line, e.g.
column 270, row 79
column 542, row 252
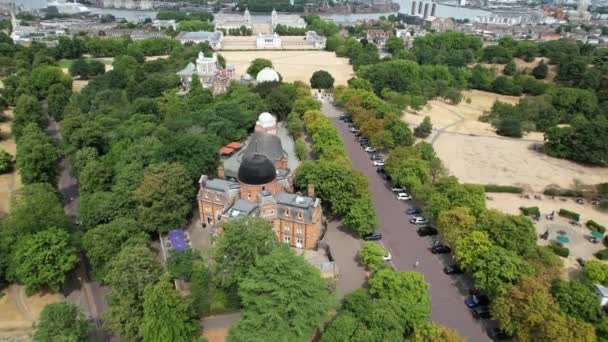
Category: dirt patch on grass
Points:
column 523, row 66
column 473, row 152
column 18, row 311
column 9, row 182
column 294, row 65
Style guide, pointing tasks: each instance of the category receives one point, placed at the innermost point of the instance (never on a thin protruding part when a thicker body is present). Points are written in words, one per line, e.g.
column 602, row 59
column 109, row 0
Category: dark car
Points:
column 426, row 231
column 413, row 211
column 386, row 176
column 375, row 235
column 375, row 157
column 476, row 300
column 453, row 269
column 481, row 312
column 497, row 334
column 440, row 249
column 380, row 169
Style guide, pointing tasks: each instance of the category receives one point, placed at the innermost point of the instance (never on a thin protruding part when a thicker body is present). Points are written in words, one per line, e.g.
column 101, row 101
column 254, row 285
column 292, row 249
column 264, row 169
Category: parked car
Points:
column 402, row 196
column 398, row 189
column 387, row 257
column 481, row 312
column 419, row 220
column 453, row 269
column 375, row 235
column 426, row 231
column 375, row 157
column 378, row 162
column 386, row 176
column 475, row 300
column 440, row 249
column 497, row 334
column 344, row 117
column 413, row 211
column 369, row 149
column 354, row 130
column 380, row 169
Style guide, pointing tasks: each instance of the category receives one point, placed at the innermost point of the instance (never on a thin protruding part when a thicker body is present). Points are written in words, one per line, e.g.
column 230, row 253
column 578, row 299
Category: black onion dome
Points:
column 256, row 169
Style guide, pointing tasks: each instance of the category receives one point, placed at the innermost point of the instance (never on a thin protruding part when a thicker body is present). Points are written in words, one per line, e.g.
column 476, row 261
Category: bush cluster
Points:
column 592, row 225
column 569, row 214
column 559, row 250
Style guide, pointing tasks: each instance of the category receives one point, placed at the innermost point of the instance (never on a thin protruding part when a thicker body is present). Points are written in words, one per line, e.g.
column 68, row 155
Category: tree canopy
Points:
column 61, row 322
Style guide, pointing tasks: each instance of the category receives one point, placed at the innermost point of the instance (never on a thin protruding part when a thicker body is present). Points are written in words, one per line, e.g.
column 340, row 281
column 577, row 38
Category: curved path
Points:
column 400, row 238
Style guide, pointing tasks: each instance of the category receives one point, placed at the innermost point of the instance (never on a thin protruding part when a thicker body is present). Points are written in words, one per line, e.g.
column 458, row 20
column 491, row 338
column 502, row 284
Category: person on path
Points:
column 416, row 263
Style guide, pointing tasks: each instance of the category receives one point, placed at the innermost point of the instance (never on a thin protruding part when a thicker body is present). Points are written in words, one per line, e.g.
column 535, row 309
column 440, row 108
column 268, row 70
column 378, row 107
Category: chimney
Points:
column 202, row 180
column 311, row 190
column 220, row 171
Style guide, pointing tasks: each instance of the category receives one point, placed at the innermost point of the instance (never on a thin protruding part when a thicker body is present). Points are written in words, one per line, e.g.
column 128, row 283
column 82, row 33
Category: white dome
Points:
column 267, row 75
column 266, row 120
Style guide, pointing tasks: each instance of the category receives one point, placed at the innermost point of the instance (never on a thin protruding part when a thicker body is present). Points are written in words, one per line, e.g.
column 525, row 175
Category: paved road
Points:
column 78, row 283
column 400, row 238
column 344, row 250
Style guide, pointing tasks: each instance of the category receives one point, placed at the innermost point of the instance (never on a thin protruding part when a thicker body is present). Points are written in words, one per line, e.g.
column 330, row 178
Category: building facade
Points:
column 129, row 4
column 210, row 72
column 232, row 21
column 288, row 20
column 268, row 41
column 214, row 39
column 262, row 189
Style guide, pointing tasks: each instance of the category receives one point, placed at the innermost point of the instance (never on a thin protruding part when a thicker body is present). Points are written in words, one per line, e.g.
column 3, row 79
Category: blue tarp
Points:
column 178, row 240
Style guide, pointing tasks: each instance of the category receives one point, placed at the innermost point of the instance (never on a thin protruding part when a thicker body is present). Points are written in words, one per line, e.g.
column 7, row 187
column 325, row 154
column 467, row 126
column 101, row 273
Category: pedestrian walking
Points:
column 416, row 263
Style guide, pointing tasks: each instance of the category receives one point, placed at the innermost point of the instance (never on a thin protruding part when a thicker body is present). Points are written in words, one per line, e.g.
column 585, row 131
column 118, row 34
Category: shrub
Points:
column 569, row 214
column 559, row 250
column 602, row 255
column 6, row 162
column 371, row 255
column 503, row 188
column 424, row 129
column 551, row 191
column 301, row 149
column 592, row 225
column 530, row 211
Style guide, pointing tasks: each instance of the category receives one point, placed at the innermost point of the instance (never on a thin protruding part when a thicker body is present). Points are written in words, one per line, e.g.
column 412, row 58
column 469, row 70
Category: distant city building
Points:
column 317, row 41
column 289, row 20
column 214, row 39
column 439, row 24
column 378, row 37
column 160, row 24
column 129, row 4
column 262, row 188
column 232, row 21
column 135, row 34
column 268, row 41
column 210, row 72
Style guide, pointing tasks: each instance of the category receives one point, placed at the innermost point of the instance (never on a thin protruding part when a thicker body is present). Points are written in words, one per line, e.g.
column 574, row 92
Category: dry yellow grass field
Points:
column 18, row 311
column 473, row 152
column 9, row 182
column 294, row 65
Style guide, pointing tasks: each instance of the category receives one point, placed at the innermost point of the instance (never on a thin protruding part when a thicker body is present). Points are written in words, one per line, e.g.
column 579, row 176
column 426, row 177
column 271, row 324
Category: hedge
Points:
column 602, row 255
column 562, row 192
column 592, row 225
column 503, row 188
column 559, row 250
column 530, row 211
column 569, row 214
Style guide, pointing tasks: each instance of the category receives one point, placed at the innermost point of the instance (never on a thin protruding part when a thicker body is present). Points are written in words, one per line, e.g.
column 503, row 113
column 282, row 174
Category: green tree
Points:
column 57, row 100
column 510, row 68
column 95, row 177
column 129, row 273
column 80, row 67
column 274, row 309
column 510, row 127
column 426, row 332
column 43, row 259
column 455, row 223
column 34, row 208
column 163, row 197
column 371, row 255
column 496, row 270
column 61, row 322
column 577, row 300
column 407, row 289
column 471, row 247
column 513, row 232
column 181, row 264
column 167, row 315
column 321, row 79
column 103, row 207
column 45, row 76
column 105, row 241
column 394, row 44
column 596, row 271
column 243, row 241
column 198, row 97
column 27, row 111
column 540, row 71
column 362, row 216
column 6, row 162
column 37, row 156
column 257, row 65
column 424, row 129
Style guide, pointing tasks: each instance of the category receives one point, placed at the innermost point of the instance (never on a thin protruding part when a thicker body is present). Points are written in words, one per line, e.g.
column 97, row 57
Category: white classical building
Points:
column 316, row 40
column 210, row 72
column 268, row 41
column 289, row 20
column 232, row 21
column 214, row 39
column 129, row 4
